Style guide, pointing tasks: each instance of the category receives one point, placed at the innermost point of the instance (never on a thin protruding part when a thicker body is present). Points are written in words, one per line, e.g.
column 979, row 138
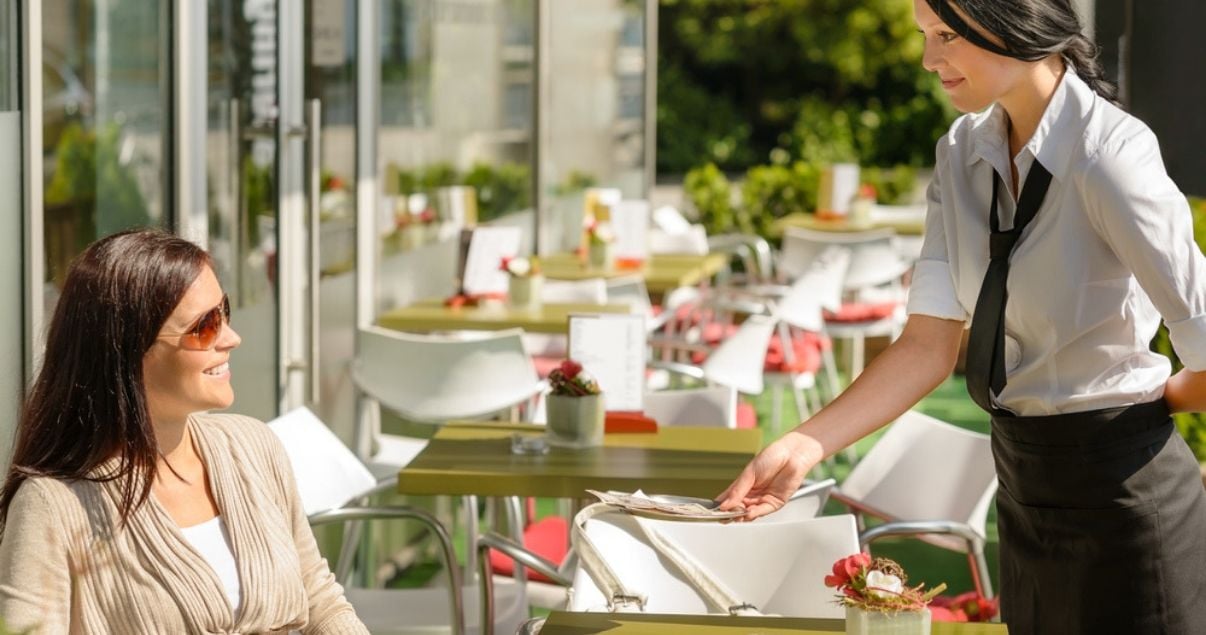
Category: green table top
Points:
column 476, row 459
column 904, row 226
column 432, row 315
column 564, row 623
column 662, row 272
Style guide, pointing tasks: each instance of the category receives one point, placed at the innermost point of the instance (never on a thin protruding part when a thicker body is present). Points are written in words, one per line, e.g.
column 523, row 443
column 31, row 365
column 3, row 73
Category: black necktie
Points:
column 986, row 342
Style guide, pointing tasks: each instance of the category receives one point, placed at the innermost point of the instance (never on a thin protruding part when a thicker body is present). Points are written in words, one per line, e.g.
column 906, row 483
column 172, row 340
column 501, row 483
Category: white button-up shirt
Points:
column 1109, row 254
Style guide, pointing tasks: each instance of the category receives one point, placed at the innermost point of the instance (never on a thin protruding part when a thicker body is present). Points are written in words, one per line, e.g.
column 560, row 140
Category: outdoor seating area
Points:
column 640, row 316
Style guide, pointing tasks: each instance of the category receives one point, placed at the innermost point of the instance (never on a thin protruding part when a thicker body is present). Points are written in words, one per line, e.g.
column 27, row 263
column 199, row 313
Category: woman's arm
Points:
column 35, row 571
column 906, row 371
column 1186, row 391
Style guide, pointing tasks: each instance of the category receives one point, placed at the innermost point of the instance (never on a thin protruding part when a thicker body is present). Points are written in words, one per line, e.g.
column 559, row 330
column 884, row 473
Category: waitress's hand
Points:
column 773, row 476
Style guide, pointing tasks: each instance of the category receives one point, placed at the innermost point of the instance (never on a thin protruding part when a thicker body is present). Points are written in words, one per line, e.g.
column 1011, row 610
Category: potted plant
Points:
column 575, row 407
column 878, row 599
column 524, row 281
column 600, row 238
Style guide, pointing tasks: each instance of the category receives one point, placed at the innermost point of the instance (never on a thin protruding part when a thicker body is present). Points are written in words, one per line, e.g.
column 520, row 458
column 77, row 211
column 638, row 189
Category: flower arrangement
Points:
column 519, row 266
column 600, row 233
column 966, row 607
column 877, row 584
column 569, row 380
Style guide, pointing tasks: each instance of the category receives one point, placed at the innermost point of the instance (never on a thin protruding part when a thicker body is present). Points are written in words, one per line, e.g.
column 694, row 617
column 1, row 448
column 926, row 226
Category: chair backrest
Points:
column 874, row 258
column 808, row 502
column 781, row 570
column 819, row 287
column 588, row 291
column 629, row 290
column 926, row 469
column 738, row 362
column 714, row 407
column 435, row 378
column 328, row 474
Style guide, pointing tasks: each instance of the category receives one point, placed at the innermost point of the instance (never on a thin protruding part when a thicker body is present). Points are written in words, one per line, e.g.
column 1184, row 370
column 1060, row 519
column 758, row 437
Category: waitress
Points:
column 1055, row 231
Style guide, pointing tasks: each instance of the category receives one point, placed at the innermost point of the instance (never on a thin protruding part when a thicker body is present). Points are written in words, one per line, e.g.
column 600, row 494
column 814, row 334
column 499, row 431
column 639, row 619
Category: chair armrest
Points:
column 399, row 512
column 678, row 368
column 921, row 527
column 810, row 488
column 520, row 555
column 387, row 484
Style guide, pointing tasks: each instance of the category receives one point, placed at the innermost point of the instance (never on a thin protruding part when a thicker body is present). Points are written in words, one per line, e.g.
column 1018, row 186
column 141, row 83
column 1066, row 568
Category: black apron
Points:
column 1102, row 514
column 1102, row 521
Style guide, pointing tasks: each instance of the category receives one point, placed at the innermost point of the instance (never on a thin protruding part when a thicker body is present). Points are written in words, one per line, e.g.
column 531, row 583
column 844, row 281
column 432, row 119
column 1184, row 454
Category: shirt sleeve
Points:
column 35, row 571
column 1139, row 212
column 330, row 612
column 932, row 290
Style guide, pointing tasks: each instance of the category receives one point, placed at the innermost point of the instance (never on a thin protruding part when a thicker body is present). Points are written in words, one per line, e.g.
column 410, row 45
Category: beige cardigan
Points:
column 66, row 565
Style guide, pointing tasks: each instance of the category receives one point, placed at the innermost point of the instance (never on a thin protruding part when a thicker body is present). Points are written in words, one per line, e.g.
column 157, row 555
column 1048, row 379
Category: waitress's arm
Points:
column 909, row 369
column 1186, row 391
column 906, row 371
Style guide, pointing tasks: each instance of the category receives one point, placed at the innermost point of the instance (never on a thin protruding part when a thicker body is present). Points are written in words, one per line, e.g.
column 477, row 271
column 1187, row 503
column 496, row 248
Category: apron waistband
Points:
column 1093, row 427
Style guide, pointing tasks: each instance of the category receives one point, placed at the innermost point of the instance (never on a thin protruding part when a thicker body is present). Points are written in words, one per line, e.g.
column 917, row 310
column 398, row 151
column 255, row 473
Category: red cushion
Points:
column 547, row 538
column 807, row 347
column 862, row 311
column 747, row 417
column 942, row 614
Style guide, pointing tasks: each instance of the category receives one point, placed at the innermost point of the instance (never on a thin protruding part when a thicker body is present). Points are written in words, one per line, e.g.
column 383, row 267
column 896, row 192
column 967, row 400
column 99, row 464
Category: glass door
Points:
column 280, row 169
column 12, row 304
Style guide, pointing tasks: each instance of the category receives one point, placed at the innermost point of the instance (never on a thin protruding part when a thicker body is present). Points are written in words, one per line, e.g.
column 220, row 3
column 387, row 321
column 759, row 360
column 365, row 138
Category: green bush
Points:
column 823, row 80
column 1191, row 425
column 770, row 192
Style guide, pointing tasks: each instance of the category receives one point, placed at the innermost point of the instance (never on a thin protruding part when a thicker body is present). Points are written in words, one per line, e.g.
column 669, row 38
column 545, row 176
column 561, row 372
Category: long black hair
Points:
column 1031, row 31
column 88, row 403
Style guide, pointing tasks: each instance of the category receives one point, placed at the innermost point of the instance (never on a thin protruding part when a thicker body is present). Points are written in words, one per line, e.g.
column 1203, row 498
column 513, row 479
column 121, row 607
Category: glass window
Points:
column 457, row 84
column 105, row 104
column 594, row 110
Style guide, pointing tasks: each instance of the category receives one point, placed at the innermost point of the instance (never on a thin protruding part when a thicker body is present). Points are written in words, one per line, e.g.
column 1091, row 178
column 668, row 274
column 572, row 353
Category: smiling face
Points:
column 972, row 77
column 180, row 380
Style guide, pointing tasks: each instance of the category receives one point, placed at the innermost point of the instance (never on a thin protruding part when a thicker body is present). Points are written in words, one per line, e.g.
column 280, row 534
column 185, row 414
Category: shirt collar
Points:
column 1062, row 124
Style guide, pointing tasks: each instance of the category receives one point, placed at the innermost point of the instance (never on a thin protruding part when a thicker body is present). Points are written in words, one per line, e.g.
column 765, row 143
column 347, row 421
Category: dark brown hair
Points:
column 1031, row 30
column 88, row 403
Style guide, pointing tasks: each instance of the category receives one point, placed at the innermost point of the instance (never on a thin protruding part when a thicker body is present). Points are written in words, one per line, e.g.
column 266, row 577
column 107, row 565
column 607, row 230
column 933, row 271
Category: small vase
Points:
column 861, row 622
column 523, row 292
column 575, row 422
column 599, row 256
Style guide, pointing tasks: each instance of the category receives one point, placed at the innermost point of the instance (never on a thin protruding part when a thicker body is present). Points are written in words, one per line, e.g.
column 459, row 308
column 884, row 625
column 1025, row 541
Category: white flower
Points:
column 883, row 585
column 519, row 266
column 604, row 233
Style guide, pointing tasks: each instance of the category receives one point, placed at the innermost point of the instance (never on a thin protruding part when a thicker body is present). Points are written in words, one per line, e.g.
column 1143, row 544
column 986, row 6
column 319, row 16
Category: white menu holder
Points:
column 488, row 246
column 630, row 221
column 611, row 347
column 839, row 184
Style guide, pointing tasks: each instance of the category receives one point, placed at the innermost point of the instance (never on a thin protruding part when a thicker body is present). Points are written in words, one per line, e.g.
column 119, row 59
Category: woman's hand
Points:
column 773, row 476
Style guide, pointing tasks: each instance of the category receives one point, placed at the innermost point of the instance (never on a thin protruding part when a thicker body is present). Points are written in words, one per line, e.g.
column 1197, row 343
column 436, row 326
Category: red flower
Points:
column 427, row 215
column 506, row 260
column 845, row 569
column 977, row 607
column 570, row 368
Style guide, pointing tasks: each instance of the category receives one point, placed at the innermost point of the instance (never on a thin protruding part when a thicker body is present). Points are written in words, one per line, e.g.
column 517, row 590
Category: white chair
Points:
column 713, row 406
column 333, row 485
column 930, row 479
column 433, row 379
column 782, row 572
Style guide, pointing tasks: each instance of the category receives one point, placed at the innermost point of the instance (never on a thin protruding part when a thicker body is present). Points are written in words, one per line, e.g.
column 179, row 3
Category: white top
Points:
column 1108, row 255
column 212, row 541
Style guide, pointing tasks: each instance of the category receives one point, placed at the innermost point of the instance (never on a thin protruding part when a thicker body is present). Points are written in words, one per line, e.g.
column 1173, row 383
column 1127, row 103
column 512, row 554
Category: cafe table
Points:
column 434, row 315
column 465, row 459
column 661, row 272
column 565, row 623
column 904, row 224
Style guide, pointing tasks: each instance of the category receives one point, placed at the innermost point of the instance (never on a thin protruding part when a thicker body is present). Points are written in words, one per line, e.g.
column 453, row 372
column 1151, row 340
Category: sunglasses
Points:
column 204, row 334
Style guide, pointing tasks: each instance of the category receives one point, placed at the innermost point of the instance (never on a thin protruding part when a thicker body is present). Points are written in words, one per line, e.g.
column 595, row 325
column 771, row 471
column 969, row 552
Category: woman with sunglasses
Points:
column 1055, row 231
column 127, row 508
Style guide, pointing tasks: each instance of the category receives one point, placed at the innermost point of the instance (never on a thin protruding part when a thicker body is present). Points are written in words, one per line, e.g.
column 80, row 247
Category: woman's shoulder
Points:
column 45, row 496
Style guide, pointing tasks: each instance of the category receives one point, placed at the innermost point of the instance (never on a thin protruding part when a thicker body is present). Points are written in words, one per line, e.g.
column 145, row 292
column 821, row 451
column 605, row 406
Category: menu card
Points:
column 487, row 246
column 611, row 347
column 630, row 221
